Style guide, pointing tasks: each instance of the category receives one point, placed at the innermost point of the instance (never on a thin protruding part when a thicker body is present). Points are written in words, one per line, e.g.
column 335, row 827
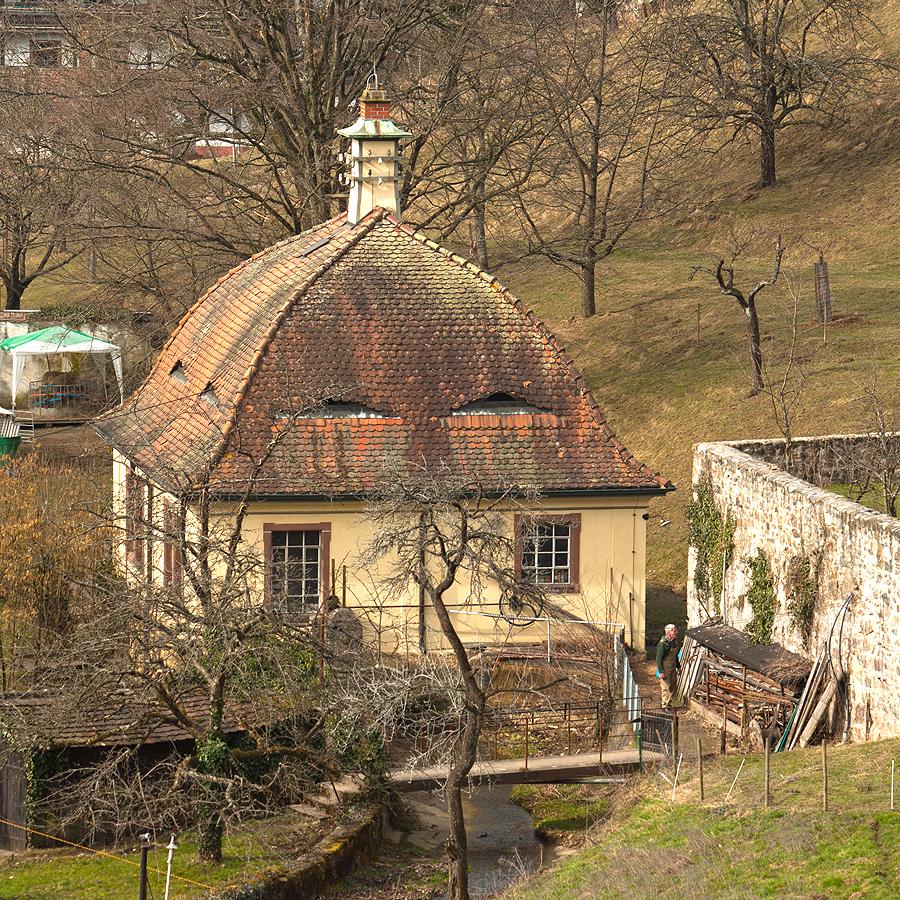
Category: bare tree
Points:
column 42, row 193
column 872, row 467
column 762, row 67
column 785, row 381
column 478, row 129
column 724, row 276
column 439, row 531
column 605, row 168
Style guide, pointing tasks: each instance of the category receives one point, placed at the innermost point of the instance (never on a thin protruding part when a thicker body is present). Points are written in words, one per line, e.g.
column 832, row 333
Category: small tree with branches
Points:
column 724, row 276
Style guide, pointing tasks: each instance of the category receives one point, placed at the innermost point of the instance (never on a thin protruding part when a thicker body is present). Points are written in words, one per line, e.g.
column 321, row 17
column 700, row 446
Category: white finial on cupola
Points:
column 374, row 157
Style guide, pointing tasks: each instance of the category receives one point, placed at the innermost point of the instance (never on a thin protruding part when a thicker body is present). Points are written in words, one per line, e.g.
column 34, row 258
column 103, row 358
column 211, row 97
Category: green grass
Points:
column 78, row 874
column 562, row 808
column 652, row 847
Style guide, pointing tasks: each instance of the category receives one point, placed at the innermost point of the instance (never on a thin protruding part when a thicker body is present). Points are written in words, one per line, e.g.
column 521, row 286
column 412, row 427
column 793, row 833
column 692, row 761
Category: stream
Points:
column 502, row 842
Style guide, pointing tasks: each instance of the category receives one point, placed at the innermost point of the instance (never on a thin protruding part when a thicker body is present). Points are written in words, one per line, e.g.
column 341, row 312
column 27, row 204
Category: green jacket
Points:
column 664, row 648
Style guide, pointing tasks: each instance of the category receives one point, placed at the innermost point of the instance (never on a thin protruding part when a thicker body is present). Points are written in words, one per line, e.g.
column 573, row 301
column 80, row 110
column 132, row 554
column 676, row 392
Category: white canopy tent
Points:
column 54, row 340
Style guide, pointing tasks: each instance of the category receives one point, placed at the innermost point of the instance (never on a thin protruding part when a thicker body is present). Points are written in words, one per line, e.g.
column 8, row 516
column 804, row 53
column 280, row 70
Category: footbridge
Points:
column 534, row 770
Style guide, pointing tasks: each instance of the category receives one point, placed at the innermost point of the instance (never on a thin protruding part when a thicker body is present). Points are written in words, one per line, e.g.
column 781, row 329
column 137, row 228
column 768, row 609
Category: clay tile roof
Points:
column 50, row 720
column 375, row 316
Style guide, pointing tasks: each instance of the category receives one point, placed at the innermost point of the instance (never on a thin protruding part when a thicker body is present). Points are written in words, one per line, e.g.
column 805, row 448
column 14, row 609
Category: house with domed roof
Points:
column 356, row 351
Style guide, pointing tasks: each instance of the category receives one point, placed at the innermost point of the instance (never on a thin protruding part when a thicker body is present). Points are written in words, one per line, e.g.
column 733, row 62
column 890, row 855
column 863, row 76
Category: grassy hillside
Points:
column 652, row 846
column 663, row 389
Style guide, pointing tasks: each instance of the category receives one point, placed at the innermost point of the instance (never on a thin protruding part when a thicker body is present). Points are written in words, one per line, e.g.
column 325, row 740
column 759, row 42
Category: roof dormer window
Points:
column 209, row 395
column 177, row 372
column 340, row 409
column 335, row 409
column 499, row 405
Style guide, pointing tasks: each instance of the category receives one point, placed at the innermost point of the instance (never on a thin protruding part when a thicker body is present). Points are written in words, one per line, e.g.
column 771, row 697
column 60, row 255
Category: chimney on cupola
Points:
column 373, row 162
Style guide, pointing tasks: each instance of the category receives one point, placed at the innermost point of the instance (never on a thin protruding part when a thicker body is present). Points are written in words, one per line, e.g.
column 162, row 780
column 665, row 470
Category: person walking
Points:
column 668, row 664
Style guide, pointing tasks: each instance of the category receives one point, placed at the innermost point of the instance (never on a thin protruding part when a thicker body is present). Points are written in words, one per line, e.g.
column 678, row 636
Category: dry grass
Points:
column 661, row 388
column 651, row 846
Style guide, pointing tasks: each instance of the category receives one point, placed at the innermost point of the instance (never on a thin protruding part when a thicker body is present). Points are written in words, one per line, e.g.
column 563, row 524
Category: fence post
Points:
column 768, row 742
column 824, row 777
column 700, row 765
column 600, row 735
column 526, row 743
column 142, row 876
column 641, row 738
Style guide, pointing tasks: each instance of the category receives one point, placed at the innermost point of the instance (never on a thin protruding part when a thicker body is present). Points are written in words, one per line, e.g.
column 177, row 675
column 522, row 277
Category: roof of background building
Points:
column 381, row 321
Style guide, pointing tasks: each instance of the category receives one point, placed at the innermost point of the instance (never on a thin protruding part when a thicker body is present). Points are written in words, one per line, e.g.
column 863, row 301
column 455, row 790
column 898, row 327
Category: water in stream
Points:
column 502, row 842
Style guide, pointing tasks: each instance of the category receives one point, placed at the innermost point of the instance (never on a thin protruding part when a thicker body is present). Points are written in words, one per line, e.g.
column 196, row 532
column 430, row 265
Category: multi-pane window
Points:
column 46, row 54
column 547, row 550
column 295, row 566
column 546, row 553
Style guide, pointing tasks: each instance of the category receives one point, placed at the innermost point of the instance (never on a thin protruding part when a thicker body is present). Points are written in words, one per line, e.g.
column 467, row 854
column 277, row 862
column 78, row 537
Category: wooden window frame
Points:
column 324, row 530
column 172, row 565
column 573, row 520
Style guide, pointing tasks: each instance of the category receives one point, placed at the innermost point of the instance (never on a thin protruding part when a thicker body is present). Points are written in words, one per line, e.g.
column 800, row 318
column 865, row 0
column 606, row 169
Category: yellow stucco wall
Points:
column 611, row 570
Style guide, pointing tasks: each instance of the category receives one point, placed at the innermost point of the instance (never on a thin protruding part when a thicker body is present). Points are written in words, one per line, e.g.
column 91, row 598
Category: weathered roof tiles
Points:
column 372, row 315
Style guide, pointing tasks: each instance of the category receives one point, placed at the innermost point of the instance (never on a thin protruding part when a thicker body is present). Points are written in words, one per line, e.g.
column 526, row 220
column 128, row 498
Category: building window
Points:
column 138, row 504
column 548, row 550
column 296, row 562
column 173, row 575
column 46, row 54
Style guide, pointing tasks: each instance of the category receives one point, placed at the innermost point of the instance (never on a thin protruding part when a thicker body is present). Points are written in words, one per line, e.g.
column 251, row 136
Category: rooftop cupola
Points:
column 374, row 159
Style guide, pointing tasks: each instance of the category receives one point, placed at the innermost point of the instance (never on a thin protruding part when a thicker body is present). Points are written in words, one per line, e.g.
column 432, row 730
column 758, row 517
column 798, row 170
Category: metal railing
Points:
column 631, row 698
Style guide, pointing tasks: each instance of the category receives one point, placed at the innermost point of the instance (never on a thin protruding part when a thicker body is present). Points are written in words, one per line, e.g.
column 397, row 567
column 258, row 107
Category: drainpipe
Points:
column 423, row 648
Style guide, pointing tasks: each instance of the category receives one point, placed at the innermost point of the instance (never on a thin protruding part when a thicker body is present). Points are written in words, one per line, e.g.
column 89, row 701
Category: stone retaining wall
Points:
column 786, row 517
column 331, row 860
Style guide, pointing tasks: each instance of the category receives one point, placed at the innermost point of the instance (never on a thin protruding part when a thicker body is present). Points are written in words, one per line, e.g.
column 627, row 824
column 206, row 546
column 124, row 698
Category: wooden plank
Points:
column 807, row 700
column 807, row 734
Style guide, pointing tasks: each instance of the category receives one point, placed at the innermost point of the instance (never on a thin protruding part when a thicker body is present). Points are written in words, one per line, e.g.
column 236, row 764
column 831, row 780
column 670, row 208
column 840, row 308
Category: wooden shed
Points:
column 32, row 724
column 733, row 682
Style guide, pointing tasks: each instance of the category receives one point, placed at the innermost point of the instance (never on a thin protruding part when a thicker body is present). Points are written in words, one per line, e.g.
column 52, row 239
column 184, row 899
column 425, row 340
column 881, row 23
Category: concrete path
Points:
column 539, row 770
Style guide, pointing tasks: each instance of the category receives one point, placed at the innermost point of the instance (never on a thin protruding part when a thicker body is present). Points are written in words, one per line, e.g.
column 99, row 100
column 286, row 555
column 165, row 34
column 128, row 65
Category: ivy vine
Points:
column 803, row 592
column 762, row 600
column 712, row 536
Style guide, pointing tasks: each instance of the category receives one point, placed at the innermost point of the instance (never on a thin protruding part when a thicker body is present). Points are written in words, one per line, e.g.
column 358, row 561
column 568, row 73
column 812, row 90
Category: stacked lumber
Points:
column 811, row 707
column 734, row 692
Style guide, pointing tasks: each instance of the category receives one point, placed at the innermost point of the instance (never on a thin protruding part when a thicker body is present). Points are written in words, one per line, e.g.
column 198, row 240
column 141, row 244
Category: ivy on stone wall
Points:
column 762, row 600
column 803, row 592
column 712, row 536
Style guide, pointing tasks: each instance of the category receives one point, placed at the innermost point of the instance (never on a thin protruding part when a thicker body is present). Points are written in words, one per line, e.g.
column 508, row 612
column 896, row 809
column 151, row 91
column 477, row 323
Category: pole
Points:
column 142, row 878
column 824, row 777
column 526, row 743
column 700, row 765
column 172, row 847
column 600, row 744
column 768, row 741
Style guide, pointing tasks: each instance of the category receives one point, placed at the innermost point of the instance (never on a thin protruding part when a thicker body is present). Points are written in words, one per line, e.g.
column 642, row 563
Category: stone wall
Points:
column 786, row 517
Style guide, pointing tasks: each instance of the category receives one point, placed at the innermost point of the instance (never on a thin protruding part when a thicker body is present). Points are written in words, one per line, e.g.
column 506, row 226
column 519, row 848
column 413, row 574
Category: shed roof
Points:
column 772, row 660
column 374, row 315
column 51, row 720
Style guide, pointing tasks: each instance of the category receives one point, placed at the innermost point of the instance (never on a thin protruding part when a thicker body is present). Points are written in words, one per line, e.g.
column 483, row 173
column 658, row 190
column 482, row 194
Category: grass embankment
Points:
column 666, row 356
column 652, row 847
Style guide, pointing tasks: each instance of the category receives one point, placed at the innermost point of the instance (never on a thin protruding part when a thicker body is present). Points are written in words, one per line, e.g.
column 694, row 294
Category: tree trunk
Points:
column 756, row 379
column 767, row 142
column 588, row 288
column 480, row 242
column 464, row 752
column 212, row 759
